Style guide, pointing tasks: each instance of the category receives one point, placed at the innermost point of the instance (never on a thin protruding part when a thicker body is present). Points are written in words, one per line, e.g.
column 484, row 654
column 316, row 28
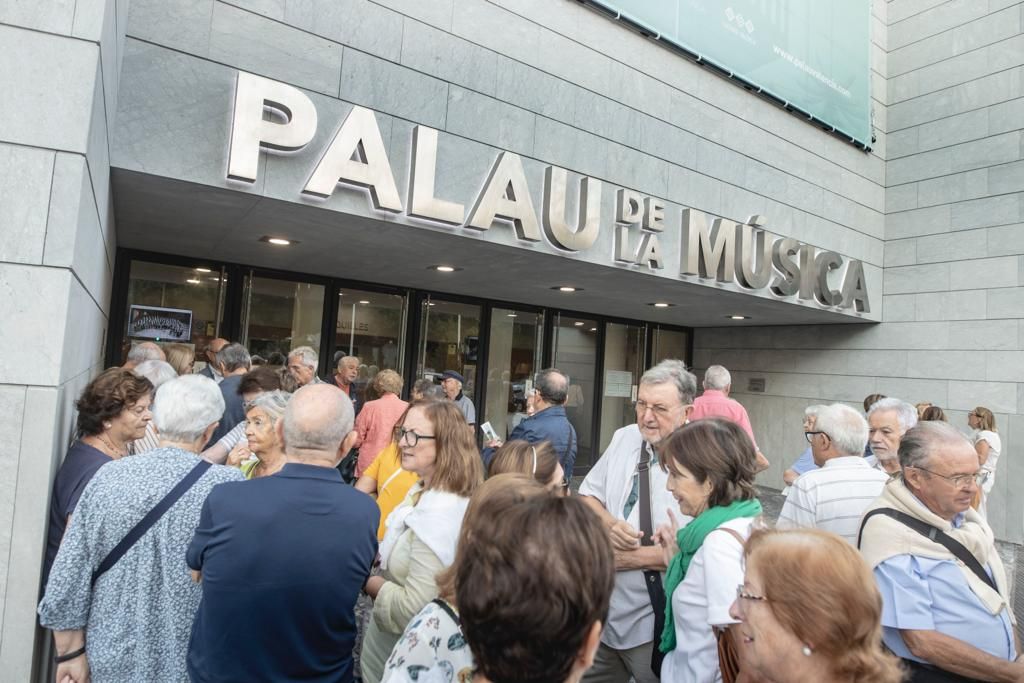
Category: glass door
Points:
column 449, row 339
column 371, row 327
column 575, row 353
column 623, row 365
column 513, row 357
column 668, row 343
column 280, row 315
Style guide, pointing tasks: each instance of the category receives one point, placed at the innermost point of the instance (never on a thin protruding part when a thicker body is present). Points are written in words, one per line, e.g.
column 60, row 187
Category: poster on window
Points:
column 160, row 324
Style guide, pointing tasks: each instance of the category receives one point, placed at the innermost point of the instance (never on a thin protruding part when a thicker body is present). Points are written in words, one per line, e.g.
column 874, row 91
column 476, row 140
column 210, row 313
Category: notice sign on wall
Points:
column 618, row 384
column 812, row 55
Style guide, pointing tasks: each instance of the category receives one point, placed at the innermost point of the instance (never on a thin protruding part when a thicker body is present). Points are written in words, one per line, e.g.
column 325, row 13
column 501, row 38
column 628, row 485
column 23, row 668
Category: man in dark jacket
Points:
column 548, row 422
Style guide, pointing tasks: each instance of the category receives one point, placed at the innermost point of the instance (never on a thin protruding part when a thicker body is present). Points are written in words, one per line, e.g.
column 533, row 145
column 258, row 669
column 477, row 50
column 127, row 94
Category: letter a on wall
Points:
column 506, row 196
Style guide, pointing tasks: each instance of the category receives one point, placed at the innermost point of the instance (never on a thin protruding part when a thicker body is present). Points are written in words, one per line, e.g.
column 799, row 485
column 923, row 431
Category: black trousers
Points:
column 925, row 673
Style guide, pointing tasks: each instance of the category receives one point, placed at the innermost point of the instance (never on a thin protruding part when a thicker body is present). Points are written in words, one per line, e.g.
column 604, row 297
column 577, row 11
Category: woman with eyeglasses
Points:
column 536, row 460
column 421, row 532
column 711, row 466
column 809, row 610
column 988, row 444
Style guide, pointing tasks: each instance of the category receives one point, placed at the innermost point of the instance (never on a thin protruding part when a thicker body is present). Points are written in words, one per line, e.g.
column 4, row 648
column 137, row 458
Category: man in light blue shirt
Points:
column 947, row 622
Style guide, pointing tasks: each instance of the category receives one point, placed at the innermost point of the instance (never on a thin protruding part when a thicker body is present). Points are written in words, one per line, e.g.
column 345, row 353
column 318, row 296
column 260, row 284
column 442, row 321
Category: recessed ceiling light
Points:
column 593, row 329
column 511, row 315
column 214, row 279
column 567, row 288
column 203, row 270
column 193, row 281
column 661, row 304
column 444, row 268
column 578, row 324
column 364, row 302
column 277, row 241
column 738, row 317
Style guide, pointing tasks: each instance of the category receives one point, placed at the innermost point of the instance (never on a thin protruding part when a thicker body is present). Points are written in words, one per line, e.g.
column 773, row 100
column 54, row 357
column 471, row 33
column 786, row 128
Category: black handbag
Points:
column 347, row 466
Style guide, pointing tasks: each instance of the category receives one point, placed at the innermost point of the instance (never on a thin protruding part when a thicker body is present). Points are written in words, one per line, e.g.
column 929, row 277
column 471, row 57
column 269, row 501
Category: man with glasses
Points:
column 945, row 598
column 614, row 489
column 833, row 498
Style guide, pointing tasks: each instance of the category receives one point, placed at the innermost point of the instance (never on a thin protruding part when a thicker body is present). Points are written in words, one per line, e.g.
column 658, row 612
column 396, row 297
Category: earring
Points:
column 807, row 651
column 107, row 425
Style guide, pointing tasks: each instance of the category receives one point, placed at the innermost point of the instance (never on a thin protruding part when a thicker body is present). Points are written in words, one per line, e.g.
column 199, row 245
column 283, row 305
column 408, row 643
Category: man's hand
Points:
column 74, row 671
column 624, row 536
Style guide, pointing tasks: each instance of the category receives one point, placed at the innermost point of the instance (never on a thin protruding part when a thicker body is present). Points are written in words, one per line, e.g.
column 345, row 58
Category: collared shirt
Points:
column 283, row 560
column 212, row 372
column 714, row 403
column 549, row 425
column 138, row 616
column 467, row 408
column 925, row 594
column 833, row 497
column 610, row 480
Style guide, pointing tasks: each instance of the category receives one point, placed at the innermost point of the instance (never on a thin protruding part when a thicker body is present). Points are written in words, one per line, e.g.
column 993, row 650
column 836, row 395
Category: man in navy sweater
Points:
column 282, row 559
column 548, row 422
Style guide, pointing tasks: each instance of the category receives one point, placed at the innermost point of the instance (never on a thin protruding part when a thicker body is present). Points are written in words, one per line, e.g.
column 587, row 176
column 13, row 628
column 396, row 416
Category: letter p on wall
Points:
column 250, row 132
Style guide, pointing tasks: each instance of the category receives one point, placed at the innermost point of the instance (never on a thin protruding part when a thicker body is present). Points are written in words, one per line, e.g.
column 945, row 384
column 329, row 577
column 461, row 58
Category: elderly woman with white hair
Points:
column 120, row 574
column 805, row 463
column 158, row 372
column 261, row 438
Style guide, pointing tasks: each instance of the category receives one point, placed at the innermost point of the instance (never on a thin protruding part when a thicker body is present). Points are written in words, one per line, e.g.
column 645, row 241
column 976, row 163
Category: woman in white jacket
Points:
column 422, row 532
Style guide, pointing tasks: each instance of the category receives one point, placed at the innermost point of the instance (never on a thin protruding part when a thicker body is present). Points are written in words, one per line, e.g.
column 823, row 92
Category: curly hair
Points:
column 106, row 397
column 843, row 618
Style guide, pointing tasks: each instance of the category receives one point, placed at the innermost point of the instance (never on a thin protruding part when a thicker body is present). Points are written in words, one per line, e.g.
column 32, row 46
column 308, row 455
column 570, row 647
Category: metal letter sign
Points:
column 743, row 256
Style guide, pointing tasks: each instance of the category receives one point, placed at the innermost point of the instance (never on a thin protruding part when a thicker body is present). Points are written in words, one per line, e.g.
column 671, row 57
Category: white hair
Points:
column 812, row 411
column 845, row 426
column 158, row 372
column 145, row 351
column 186, row 406
column 906, row 414
column 306, row 354
column 674, row 371
column 717, row 377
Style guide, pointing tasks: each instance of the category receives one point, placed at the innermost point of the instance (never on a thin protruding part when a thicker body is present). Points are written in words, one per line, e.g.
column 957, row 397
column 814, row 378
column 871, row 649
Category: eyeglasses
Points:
column 960, row 481
column 742, row 595
column 658, row 409
column 810, row 436
column 409, row 435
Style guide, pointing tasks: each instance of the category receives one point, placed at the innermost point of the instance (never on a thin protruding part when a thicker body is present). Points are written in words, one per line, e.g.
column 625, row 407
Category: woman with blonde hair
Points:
column 438, row 622
column 421, row 532
column 809, row 610
column 182, row 358
column 989, row 445
column 536, row 460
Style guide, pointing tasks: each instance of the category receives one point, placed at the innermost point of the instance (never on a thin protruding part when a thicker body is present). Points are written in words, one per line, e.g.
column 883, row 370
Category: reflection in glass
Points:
column 192, row 299
column 575, row 354
column 669, row 343
column 513, row 357
column 370, row 327
column 282, row 315
column 449, row 339
column 623, row 365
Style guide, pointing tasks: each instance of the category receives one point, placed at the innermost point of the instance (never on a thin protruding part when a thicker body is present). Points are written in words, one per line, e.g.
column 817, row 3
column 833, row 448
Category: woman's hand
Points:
column 373, row 585
column 73, row 671
column 665, row 536
column 239, row 454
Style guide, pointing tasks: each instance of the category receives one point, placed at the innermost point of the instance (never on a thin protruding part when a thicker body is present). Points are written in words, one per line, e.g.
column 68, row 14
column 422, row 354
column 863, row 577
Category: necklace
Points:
column 114, row 451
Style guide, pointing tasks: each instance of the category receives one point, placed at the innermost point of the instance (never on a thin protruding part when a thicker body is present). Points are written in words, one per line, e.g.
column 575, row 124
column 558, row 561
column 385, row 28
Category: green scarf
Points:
column 690, row 538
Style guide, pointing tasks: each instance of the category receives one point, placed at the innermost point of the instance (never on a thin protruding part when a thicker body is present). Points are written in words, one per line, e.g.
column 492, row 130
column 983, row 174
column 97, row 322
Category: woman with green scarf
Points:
column 711, row 465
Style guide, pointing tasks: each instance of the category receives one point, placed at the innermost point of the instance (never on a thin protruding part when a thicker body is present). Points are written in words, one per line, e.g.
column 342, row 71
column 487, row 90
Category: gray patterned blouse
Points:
column 138, row 616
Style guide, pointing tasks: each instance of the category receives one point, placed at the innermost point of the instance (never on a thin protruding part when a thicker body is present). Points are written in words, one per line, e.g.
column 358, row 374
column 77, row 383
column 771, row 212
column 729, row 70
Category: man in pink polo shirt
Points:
column 715, row 402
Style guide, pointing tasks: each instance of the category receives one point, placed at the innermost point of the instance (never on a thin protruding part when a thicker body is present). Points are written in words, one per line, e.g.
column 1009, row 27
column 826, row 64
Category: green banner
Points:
column 811, row 54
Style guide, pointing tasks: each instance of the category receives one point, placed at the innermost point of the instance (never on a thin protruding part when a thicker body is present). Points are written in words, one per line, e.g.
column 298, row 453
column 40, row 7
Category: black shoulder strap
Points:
column 936, row 535
column 652, row 577
column 644, row 490
column 443, row 604
column 151, row 518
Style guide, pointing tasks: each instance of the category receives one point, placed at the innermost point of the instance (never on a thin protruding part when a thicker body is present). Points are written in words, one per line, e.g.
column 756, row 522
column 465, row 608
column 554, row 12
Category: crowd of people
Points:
column 201, row 529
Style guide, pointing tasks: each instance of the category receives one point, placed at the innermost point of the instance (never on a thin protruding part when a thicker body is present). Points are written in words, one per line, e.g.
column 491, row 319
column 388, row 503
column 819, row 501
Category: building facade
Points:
column 152, row 149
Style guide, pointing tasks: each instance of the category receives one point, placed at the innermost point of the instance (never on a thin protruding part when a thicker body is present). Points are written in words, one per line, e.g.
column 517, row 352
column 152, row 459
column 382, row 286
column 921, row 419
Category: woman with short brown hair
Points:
column 422, row 532
column 536, row 460
column 711, row 465
column 809, row 610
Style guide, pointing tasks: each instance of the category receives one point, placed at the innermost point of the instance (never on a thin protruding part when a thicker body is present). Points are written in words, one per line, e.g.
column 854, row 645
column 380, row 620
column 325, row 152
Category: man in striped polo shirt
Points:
column 835, row 496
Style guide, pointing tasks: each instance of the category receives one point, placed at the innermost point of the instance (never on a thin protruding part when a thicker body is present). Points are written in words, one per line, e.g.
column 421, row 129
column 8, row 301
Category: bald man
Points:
column 272, row 560
column 212, row 349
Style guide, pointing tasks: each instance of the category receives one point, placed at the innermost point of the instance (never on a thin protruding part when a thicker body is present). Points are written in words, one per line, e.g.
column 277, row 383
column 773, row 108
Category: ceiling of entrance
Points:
column 171, row 216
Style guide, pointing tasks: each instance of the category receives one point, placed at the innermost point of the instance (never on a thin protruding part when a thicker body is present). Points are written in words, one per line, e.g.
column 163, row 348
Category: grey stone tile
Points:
column 272, row 9
column 530, row 88
column 88, row 325
column 961, row 305
column 1006, row 239
column 696, row 190
column 918, row 166
column 436, row 12
column 181, row 24
column 90, row 18
column 1005, row 303
column 30, row 349
column 900, row 253
column 48, row 83
column 980, row 213
column 912, row 279
column 496, row 28
column 491, row 121
column 953, row 130
column 1006, row 178
column 993, row 150
column 571, row 148
column 52, row 16
column 901, row 198
column 1005, row 116
column 933, row 21
column 956, row 187
column 259, row 45
column 606, row 117
column 898, row 308
column 982, row 92
column 393, row 89
column 933, row 364
column 638, row 90
column 952, row 246
column 918, row 222
column 989, row 335
column 448, row 57
column 1001, row 271
column 25, row 175
column 98, row 152
column 361, row 24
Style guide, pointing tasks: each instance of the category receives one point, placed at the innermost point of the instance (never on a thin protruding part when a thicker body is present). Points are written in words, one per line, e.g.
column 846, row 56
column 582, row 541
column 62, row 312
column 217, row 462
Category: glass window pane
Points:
column 623, row 365
column 449, row 339
column 669, row 343
column 513, row 357
column 282, row 315
column 575, row 354
column 173, row 304
column 370, row 327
